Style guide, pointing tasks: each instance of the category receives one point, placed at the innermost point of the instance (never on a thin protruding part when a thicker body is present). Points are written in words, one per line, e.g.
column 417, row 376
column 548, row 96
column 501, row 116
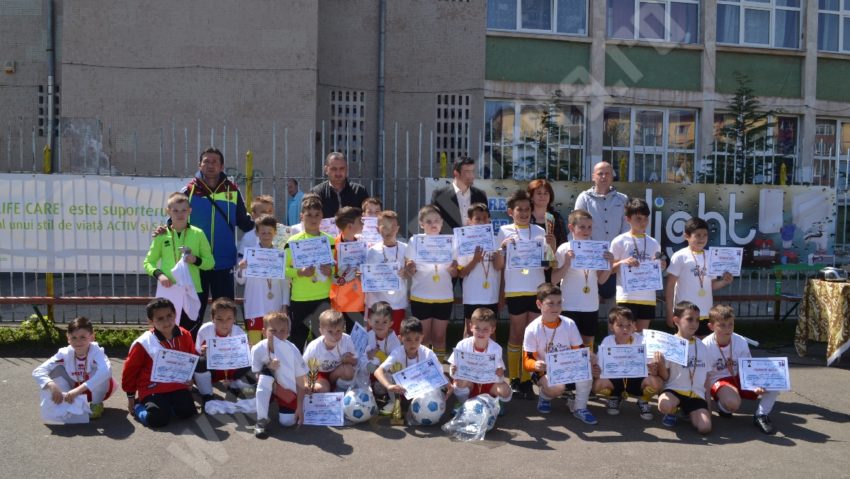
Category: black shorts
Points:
column 441, row 311
column 630, row 385
column 587, row 321
column 468, row 309
column 608, row 289
column 522, row 304
column 640, row 311
column 703, row 330
column 688, row 404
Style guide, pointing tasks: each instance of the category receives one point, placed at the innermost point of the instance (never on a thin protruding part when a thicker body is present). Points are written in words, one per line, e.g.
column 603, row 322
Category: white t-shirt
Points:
column 736, row 349
column 685, row 267
column 642, row 247
column 249, row 240
column 467, row 345
column 383, row 254
column 207, row 332
column 329, row 359
column 610, row 340
column 384, row 346
column 699, row 359
column 423, row 288
column 291, row 363
column 257, row 301
column 540, row 340
column 516, row 283
column 573, row 296
column 474, row 290
column 399, row 356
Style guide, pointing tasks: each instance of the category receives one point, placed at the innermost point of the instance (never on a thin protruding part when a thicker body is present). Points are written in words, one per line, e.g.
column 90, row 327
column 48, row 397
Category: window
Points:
column 348, row 118
column 762, row 23
column 568, row 17
column 760, row 156
column 533, row 140
column 661, row 20
column 452, row 126
column 832, row 152
column 834, row 26
column 650, row 145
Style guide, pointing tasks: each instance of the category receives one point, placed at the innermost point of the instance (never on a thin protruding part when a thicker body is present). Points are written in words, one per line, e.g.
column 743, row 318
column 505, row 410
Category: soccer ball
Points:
column 427, row 410
column 359, row 405
column 482, row 406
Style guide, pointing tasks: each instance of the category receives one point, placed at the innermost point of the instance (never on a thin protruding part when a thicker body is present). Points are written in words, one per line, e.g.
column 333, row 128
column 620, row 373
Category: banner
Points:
column 84, row 224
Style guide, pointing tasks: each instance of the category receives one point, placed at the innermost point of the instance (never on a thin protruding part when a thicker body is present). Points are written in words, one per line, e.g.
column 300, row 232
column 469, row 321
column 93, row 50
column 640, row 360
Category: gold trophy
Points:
column 313, row 373
column 396, row 419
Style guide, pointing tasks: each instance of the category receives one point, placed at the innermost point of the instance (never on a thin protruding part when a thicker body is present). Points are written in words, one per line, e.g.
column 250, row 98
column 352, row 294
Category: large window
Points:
column 348, row 120
column 662, row 20
column 533, row 140
column 568, row 17
column 832, row 152
column 762, row 23
column 763, row 154
column 834, row 25
column 650, row 145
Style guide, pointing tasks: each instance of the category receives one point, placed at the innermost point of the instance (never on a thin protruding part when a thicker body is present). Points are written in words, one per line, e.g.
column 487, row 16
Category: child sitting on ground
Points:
column 334, row 352
column 221, row 326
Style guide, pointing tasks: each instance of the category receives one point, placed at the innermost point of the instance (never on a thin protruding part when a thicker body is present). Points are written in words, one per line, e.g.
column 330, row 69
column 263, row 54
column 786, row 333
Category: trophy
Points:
column 313, row 373
column 396, row 419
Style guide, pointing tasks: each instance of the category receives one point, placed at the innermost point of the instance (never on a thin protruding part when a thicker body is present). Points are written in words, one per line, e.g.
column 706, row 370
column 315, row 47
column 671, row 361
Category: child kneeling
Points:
column 483, row 326
column 222, row 326
column 334, row 353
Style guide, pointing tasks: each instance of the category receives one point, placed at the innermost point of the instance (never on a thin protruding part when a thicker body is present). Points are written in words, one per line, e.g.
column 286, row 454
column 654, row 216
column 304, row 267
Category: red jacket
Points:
column 136, row 378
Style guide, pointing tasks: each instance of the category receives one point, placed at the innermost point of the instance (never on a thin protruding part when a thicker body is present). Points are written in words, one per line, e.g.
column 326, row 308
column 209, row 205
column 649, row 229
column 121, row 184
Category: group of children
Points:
column 325, row 301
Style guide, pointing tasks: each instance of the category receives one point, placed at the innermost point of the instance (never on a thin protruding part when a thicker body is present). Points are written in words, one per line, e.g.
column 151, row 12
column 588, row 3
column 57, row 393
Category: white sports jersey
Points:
column 726, row 359
column 94, row 370
column 423, row 288
column 207, row 332
column 541, row 340
column 329, row 359
column 384, row 347
column 610, row 340
column 573, row 295
column 517, row 283
column 480, row 287
column 291, row 363
column 685, row 265
column 257, row 300
column 467, row 345
column 388, row 254
column 691, row 378
column 399, row 356
column 642, row 247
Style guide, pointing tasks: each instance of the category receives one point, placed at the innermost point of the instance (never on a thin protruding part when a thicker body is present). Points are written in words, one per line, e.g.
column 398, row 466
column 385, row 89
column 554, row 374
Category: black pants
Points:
column 351, row 318
column 304, row 316
column 160, row 407
column 217, row 283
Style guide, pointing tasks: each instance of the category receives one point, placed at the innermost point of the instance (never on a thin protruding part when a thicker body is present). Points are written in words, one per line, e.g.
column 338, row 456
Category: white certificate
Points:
column 311, row 252
column 622, row 361
column 479, row 368
column 228, row 353
column 281, row 236
column 421, row 378
column 722, row 260
column 360, row 338
column 328, row 225
column 351, row 255
column 265, row 263
column 323, row 409
column 567, row 367
column 673, row 348
column 170, row 366
column 589, row 255
column 525, row 254
column 433, row 249
column 467, row 238
column 370, row 234
column 770, row 374
column 644, row 277
column 379, row 277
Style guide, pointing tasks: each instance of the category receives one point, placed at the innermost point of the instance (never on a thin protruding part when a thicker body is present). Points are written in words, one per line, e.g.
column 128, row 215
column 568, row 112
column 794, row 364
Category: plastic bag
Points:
column 473, row 420
column 358, row 404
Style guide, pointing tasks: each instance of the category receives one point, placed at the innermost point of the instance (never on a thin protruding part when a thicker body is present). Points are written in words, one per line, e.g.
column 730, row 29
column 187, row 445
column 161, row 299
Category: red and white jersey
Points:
column 329, row 359
column 136, row 377
column 92, row 370
column 207, row 332
column 291, row 363
column 726, row 358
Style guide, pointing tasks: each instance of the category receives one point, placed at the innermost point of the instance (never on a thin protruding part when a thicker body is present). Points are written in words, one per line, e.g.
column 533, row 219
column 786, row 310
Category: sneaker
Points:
column 723, row 413
column 585, row 416
column 612, row 406
column 260, row 429
column 645, row 410
column 96, row 411
column 544, row 406
column 240, row 389
column 502, row 408
column 387, row 410
column 763, row 422
column 527, row 389
column 669, row 420
column 515, row 386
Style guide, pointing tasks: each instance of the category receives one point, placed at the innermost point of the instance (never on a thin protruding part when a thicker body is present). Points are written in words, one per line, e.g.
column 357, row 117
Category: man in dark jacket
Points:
column 453, row 200
column 337, row 191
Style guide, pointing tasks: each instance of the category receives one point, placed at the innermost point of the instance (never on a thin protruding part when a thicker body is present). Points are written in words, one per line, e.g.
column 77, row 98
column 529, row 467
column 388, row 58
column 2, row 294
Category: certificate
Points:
column 379, row 277
column 228, row 353
column 170, row 366
column 281, row 236
column 673, row 348
column 644, row 277
column 360, row 338
column 328, row 225
column 622, row 361
column 370, row 234
column 589, row 255
column 479, row 368
column 567, row 367
column 770, row 374
column 433, row 249
column 311, row 252
column 265, row 263
column 722, row 260
column 323, row 409
column 421, row 378
column 351, row 255
column 525, row 254
column 467, row 238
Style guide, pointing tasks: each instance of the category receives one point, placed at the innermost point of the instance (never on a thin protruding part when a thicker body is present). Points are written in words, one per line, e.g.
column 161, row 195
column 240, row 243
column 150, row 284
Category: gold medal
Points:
column 270, row 295
column 436, row 278
column 525, row 271
column 586, row 289
column 701, row 293
column 486, row 284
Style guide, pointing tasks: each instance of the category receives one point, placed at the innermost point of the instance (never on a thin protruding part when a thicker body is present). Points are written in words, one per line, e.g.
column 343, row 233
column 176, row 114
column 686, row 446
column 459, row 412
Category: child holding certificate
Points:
column 390, row 250
column 521, row 286
column 726, row 392
column 630, row 250
column 222, row 326
column 281, row 374
column 580, row 287
column 687, row 275
column 551, row 333
column 371, row 207
column 81, row 368
column 311, row 285
column 481, row 272
column 431, row 288
column 684, row 387
column 157, row 401
column 262, row 295
column 334, row 353
column 261, row 205
column 180, row 241
column 483, row 325
column 346, row 293
column 382, row 341
column 621, row 322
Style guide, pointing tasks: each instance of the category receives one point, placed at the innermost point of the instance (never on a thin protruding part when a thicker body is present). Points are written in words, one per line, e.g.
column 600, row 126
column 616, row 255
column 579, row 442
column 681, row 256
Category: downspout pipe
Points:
column 51, row 76
column 382, row 39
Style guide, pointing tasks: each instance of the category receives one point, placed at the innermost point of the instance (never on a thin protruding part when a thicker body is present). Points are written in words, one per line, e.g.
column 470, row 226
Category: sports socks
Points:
column 514, row 360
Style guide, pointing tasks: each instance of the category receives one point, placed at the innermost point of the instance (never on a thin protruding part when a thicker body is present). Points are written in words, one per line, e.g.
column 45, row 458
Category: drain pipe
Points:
column 382, row 39
column 51, row 74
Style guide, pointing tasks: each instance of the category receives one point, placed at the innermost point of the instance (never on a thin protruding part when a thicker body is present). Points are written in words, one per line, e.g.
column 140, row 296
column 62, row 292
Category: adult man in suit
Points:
column 453, row 200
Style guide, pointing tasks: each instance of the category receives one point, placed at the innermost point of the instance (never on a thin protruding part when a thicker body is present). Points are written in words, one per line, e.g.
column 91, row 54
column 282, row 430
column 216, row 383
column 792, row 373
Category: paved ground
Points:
column 812, row 442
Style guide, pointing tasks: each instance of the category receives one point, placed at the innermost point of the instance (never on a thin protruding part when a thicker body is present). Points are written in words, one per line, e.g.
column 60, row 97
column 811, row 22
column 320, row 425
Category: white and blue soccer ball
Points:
column 359, row 405
column 427, row 410
column 482, row 407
